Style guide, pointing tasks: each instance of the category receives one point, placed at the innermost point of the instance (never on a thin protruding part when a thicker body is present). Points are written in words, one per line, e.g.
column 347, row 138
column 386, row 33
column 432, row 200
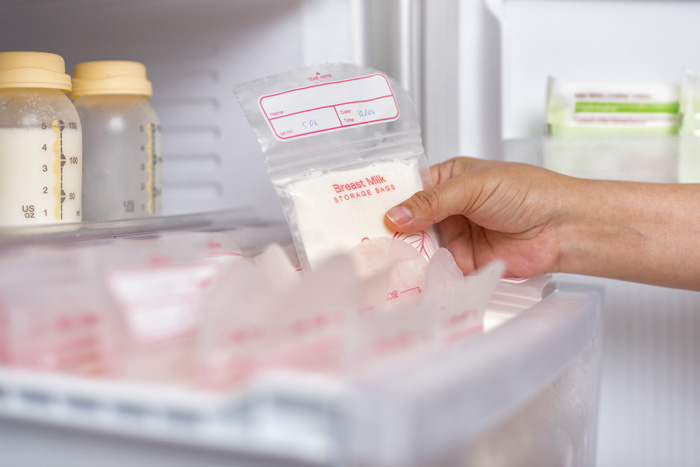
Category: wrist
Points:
column 596, row 228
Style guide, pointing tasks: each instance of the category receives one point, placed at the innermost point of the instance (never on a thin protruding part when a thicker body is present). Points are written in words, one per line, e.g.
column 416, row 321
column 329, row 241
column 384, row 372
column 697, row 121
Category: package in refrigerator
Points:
column 157, row 283
column 611, row 109
column 342, row 145
column 462, row 305
column 395, row 268
column 451, row 308
column 54, row 313
column 689, row 128
column 264, row 315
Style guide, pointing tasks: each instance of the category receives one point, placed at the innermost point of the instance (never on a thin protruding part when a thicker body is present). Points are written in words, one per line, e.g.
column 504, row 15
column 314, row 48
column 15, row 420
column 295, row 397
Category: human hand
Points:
column 539, row 221
column 488, row 210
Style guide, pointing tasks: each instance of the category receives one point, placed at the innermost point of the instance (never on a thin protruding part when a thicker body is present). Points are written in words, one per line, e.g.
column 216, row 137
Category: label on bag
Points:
column 161, row 303
column 330, row 106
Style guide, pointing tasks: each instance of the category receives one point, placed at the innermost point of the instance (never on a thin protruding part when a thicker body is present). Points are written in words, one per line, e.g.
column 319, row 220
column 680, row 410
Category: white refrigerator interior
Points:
column 194, row 53
column 649, row 403
column 477, row 72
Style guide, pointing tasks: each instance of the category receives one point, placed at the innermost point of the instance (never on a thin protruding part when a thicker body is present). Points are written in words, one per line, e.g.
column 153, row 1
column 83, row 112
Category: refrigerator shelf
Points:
column 252, row 231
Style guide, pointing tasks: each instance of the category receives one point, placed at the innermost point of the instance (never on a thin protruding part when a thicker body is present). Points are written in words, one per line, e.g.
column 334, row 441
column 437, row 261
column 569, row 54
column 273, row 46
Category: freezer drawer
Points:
column 524, row 393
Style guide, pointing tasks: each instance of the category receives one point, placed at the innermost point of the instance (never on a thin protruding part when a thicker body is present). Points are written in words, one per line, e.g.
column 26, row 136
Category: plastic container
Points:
column 524, row 394
column 66, row 325
column 40, row 142
column 122, row 138
column 689, row 129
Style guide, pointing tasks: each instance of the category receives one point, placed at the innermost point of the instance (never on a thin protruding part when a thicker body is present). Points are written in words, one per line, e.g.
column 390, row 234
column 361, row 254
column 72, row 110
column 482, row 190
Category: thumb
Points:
column 427, row 207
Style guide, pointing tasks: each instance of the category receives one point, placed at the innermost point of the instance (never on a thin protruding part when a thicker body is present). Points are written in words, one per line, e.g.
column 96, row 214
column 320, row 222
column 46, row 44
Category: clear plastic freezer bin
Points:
column 522, row 394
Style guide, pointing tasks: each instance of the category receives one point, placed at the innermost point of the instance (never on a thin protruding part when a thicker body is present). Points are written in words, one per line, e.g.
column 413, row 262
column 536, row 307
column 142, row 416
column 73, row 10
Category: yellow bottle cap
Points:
column 110, row 77
column 33, row 70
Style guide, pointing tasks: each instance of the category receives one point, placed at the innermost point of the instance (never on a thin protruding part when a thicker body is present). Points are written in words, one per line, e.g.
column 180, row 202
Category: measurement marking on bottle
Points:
column 149, row 167
column 58, row 126
column 154, row 158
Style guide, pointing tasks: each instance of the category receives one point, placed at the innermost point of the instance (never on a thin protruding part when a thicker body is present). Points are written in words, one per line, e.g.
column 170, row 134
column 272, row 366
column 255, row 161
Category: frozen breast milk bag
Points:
column 393, row 266
column 342, row 145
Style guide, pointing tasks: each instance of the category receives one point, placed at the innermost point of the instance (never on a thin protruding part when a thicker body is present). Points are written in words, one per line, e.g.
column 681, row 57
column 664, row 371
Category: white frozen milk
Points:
column 337, row 210
column 40, row 172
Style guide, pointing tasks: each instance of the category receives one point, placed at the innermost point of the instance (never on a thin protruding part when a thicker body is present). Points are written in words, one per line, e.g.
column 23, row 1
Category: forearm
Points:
column 632, row 231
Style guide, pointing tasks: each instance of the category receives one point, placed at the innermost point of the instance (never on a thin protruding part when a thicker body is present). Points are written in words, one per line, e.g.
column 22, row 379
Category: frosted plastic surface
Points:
column 122, row 157
column 541, row 371
column 556, row 427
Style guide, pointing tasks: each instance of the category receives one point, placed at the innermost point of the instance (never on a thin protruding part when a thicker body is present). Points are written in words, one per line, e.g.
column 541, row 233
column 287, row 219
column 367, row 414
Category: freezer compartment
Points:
column 524, row 393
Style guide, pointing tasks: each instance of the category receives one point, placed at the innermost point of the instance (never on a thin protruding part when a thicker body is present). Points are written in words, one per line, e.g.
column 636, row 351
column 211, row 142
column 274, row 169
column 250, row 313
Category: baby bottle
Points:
column 40, row 142
column 121, row 140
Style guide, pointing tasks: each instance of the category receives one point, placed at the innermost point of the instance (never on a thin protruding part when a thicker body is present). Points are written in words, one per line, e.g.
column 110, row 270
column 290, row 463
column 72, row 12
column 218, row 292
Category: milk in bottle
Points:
column 40, row 142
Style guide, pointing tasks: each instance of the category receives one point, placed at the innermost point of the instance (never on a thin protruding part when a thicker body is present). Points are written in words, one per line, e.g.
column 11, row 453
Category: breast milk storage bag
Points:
column 342, row 145
column 121, row 133
column 40, row 142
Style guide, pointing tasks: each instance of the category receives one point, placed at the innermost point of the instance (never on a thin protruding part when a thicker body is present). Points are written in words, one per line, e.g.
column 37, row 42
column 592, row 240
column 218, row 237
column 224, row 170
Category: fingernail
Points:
column 399, row 215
